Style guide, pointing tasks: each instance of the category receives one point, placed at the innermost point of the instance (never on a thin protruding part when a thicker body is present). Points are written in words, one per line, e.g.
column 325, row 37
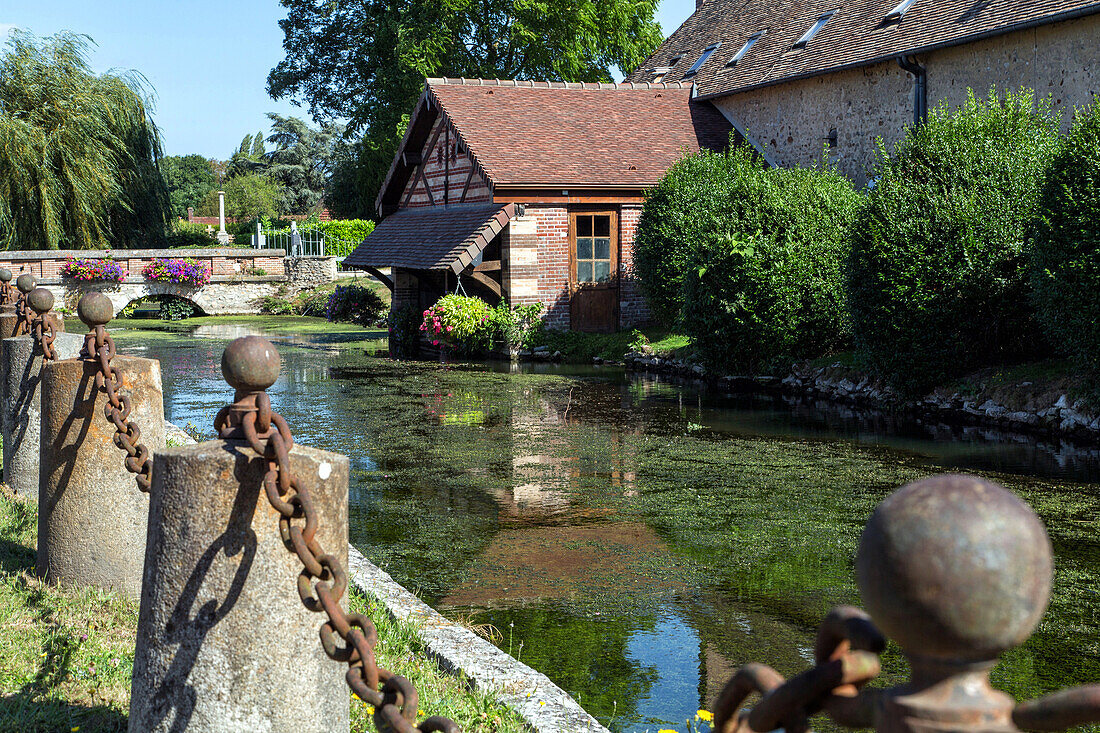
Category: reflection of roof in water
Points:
column 540, row 563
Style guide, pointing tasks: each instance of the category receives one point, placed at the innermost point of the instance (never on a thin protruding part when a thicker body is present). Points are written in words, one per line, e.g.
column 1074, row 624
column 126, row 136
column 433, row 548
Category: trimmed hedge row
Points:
column 748, row 261
column 939, row 266
column 977, row 241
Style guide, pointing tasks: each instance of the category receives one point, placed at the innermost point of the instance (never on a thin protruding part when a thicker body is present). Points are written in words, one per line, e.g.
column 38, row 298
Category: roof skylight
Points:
column 896, row 14
column 746, row 48
column 702, row 59
column 818, row 25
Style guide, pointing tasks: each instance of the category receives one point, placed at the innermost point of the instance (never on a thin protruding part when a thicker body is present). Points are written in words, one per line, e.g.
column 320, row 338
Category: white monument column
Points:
column 223, row 236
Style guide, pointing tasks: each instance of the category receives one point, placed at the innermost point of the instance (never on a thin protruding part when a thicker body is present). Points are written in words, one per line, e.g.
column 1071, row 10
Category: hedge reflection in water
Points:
column 636, row 541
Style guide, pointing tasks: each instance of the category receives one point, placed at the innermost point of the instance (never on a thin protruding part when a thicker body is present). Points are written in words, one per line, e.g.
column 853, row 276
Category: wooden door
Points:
column 594, row 271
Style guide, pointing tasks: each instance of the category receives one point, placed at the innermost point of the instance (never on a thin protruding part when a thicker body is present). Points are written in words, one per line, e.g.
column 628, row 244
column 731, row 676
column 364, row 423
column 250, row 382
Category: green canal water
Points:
column 634, row 539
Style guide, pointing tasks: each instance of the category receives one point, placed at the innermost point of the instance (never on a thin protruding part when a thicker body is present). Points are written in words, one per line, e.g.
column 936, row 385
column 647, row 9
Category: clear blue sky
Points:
column 207, row 59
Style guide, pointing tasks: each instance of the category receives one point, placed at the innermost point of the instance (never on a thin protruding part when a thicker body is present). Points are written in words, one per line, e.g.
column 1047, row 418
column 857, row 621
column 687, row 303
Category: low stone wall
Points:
column 226, row 262
column 233, row 288
column 1049, row 414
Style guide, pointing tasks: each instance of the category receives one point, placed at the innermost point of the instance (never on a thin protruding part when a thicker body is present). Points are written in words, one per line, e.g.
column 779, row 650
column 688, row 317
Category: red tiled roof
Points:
column 577, row 135
column 432, row 238
column 855, row 36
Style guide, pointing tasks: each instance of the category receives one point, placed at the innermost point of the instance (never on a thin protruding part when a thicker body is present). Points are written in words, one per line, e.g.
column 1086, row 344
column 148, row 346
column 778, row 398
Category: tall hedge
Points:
column 939, row 259
column 768, row 286
column 1066, row 256
column 687, row 206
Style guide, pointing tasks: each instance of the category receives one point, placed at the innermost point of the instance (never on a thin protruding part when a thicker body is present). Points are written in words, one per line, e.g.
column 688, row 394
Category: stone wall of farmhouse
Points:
column 793, row 119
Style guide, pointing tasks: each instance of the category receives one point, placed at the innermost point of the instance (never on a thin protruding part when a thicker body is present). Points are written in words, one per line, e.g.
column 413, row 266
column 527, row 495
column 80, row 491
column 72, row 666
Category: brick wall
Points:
column 552, row 228
column 444, row 172
column 791, row 120
column 632, row 306
column 224, row 263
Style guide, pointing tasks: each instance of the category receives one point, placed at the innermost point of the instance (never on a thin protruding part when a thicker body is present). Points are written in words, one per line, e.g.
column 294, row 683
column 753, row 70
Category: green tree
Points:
column 188, row 178
column 258, row 150
column 365, row 60
column 78, row 159
column 302, row 160
column 246, row 197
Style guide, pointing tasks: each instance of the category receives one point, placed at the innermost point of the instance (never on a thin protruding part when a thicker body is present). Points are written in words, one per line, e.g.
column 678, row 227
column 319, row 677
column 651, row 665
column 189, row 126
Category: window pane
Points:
column 603, row 226
column 584, row 248
column 584, row 272
column 603, row 249
column 584, row 226
column 603, row 271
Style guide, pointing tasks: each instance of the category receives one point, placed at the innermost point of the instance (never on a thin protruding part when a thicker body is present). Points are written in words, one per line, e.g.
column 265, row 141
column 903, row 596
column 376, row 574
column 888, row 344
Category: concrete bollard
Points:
column 224, row 642
column 92, row 517
column 20, row 422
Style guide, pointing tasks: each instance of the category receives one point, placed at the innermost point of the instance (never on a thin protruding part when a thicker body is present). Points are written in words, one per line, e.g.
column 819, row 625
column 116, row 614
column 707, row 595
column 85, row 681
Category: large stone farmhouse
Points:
column 531, row 191
column 793, row 76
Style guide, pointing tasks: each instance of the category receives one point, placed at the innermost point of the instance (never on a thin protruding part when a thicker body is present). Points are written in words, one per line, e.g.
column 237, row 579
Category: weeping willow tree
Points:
column 78, row 152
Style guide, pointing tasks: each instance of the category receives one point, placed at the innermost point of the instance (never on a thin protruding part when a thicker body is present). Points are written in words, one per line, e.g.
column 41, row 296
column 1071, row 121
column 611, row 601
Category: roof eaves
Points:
column 582, row 85
column 928, row 48
column 400, row 150
column 481, row 169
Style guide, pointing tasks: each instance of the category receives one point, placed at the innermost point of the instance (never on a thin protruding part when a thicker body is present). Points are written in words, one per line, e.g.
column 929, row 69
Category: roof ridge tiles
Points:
column 553, row 84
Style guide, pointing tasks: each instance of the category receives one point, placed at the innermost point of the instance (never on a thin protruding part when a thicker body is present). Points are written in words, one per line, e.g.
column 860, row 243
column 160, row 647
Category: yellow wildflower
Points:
column 705, row 715
column 667, row 730
column 75, row 728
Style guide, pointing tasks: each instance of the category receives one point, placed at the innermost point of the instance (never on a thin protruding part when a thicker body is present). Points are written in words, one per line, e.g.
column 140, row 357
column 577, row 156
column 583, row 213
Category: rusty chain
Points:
column 24, row 316
column 323, row 579
column 846, row 653
column 99, row 348
column 44, row 335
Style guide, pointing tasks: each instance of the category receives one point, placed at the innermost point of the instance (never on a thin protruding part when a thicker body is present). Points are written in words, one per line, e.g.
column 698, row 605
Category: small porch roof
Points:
column 432, row 238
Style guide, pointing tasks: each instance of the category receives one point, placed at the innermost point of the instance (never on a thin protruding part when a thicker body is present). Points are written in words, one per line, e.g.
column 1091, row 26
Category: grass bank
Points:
column 68, row 653
column 584, row 347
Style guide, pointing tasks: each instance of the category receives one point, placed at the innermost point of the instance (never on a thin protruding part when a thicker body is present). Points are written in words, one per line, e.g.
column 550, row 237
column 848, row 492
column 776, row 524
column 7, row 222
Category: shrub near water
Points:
column 938, row 275
column 766, row 285
column 354, row 304
column 1066, row 256
column 691, row 201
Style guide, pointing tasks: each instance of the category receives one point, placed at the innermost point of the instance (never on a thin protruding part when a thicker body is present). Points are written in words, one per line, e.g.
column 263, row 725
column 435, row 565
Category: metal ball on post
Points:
column 224, row 641
column 956, row 570
column 22, row 359
column 92, row 515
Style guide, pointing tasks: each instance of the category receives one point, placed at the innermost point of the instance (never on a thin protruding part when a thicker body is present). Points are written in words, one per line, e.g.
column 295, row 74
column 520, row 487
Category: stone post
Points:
column 92, row 516
column 223, row 236
column 21, row 415
column 224, row 641
column 7, row 305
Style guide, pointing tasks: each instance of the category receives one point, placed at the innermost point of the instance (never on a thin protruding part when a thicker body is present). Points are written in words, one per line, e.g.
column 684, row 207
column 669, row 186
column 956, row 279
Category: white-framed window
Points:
column 895, row 15
column 817, row 26
column 746, row 48
column 707, row 52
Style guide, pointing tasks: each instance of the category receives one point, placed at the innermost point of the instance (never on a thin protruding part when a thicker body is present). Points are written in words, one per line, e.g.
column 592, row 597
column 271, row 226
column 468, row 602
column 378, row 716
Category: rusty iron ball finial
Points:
column 5, row 275
column 95, row 309
column 40, row 300
column 955, row 568
column 250, row 364
column 26, row 283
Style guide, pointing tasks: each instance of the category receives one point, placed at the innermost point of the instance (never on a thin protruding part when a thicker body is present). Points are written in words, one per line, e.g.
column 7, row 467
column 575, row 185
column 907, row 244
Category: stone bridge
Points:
column 240, row 278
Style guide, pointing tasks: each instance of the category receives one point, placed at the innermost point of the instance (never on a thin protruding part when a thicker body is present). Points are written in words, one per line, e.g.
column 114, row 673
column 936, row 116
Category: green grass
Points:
column 68, row 653
column 583, row 347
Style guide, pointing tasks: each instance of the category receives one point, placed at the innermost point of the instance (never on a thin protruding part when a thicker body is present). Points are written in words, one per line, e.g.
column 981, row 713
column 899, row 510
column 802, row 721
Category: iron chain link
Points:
column 44, row 334
column 99, row 347
column 323, row 579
